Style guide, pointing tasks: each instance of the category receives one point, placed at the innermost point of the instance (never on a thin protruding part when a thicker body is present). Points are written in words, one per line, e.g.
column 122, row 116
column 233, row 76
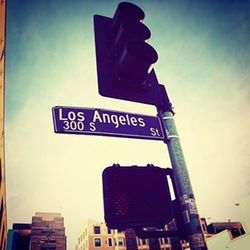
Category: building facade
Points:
column 95, row 235
column 47, row 232
column 3, row 214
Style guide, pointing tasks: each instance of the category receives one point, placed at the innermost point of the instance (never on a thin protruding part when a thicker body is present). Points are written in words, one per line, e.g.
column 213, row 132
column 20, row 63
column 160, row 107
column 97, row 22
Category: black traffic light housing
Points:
column 136, row 197
column 124, row 60
column 139, row 198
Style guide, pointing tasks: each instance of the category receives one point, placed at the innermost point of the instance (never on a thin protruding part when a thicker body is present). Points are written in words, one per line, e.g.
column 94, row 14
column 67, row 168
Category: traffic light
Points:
column 136, row 197
column 124, row 60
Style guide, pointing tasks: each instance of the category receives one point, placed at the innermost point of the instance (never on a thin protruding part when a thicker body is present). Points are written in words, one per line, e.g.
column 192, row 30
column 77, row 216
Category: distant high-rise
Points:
column 47, row 232
column 3, row 216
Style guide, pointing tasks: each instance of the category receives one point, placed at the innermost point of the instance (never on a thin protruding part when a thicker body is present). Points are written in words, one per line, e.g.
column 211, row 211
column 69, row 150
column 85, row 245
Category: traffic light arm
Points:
column 164, row 105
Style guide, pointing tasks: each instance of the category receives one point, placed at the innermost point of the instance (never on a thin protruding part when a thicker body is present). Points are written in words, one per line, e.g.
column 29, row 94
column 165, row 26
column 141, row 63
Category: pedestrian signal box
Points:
column 136, row 197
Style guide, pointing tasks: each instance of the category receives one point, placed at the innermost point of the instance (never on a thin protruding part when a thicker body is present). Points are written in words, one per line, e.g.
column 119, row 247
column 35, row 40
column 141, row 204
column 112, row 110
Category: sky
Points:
column 204, row 62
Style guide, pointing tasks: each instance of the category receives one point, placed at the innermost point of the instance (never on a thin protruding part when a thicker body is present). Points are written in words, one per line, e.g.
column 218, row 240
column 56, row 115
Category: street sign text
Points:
column 73, row 120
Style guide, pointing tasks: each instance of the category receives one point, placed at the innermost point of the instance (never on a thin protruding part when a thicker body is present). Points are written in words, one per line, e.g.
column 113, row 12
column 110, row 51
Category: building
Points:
column 234, row 228
column 96, row 235
column 19, row 237
column 234, row 235
column 47, row 232
column 3, row 214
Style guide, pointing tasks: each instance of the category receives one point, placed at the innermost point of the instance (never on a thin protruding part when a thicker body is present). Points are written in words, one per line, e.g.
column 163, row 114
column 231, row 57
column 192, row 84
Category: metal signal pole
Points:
column 183, row 185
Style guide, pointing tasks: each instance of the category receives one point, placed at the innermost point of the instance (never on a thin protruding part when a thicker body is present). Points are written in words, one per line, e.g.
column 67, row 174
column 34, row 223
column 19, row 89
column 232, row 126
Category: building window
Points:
column 242, row 231
column 97, row 242
column 120, row 242
column 1, row 212
column 167, row 241
column 2, row 53
column 144, row 242
column 203, row 227
column 139, row 242
column 109, row 231
column 109, row 242
column 2, row 236
column 97, row 230
column 235, row 232
column 0, row 172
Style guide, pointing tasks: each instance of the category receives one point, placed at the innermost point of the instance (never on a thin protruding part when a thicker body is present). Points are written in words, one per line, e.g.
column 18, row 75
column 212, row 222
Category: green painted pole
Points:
column 183, row 185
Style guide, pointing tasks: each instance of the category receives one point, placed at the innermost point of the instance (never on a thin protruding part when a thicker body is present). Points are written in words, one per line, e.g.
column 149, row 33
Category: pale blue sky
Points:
column 204, row 61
